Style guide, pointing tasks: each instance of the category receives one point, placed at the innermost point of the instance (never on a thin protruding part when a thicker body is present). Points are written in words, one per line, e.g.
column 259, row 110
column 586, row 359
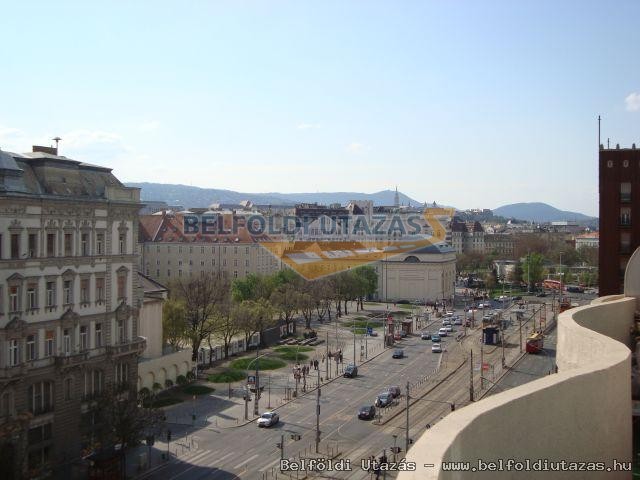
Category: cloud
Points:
column 633, row 102
column 355, row 147
column 307, row 126
column 149, row 126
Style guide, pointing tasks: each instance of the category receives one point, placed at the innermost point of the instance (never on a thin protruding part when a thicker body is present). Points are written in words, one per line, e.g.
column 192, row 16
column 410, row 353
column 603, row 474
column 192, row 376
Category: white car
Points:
column 457, row 321
column 268, row 419
column 443, row 332
column 448, row 328
column 436, row 348
column 446, row 322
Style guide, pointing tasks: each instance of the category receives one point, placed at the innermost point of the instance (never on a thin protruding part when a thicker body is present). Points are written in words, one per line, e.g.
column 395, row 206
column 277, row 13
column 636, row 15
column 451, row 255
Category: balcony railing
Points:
column 71, row 359
column 136, row 345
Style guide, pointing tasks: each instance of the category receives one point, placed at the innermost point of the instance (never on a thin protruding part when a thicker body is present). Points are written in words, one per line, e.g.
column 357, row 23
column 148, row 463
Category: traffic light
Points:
column 168, row 435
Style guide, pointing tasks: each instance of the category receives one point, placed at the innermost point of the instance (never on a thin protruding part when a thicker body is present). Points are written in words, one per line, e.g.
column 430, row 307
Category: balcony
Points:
column 137, row 345
column 71, row 359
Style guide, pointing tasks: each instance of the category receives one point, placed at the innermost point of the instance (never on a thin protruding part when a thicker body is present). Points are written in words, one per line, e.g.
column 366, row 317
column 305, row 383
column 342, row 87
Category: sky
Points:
column 471, row 104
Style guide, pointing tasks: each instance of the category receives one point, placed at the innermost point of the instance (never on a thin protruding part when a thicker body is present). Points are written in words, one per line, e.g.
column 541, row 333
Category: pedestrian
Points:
column 316, row 364
column 323, row 358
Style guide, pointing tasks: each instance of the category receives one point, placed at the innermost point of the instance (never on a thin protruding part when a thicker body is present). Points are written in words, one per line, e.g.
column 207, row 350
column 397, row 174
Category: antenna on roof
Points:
column 57, row 140
column 599, row 144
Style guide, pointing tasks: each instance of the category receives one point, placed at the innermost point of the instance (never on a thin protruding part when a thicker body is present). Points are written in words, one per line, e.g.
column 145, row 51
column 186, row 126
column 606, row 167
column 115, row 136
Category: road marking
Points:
column 246, row 461
column 218, row 461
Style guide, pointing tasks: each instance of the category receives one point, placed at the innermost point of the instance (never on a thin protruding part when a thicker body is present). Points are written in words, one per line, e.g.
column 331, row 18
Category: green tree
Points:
column 174, row 325
column 533, row 268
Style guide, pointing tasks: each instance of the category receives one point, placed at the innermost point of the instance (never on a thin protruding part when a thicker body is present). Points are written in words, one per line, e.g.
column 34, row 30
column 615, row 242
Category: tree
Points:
column 368, row 282
column 122, row 421
column 174, row 325
column 286, row 299
column 533, row 268
column 202, row 298
column 253, row 316
column 224, row 325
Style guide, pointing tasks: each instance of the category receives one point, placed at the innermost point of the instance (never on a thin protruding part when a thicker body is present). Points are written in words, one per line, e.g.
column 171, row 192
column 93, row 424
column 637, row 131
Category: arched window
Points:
column 412, row 259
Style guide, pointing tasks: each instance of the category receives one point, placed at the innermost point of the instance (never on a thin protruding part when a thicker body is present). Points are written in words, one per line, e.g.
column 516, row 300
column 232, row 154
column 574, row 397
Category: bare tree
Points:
column 203, row 298
column 174, row 324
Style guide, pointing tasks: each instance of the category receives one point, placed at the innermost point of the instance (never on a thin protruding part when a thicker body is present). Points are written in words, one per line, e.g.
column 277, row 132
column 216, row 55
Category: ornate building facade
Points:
column 68, row 305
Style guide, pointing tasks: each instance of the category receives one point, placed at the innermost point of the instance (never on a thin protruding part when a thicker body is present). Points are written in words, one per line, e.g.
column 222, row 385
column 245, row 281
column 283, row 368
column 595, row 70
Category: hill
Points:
column 540, row 212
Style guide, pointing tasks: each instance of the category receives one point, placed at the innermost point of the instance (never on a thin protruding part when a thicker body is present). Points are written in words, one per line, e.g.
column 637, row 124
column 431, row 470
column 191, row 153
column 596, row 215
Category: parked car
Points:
column 443, row 332
column 541, row 294
column 394, row 390
column 436, row 348
column 398, row 353
column 449, row 328
column 446, row 322
column 367, row 412
column 457, row 321
column 425, row 336
column 373, row 333
column 403, row 334
column 517, row 297
column 383, row 400
column 351, row 371
column 435, row 338
column 268, row 419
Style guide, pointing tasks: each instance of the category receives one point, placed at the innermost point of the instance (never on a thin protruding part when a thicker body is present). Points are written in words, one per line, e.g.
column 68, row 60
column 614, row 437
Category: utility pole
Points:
column 318, row 416
column 354, row 343
column 502, row 341
column 269, row 390
column 246, row 402
column 281, row 447
column 471, row 377
column 482, row 360
column 520, row 319
column 256, row 407
column 406, row 436
column 326, row 358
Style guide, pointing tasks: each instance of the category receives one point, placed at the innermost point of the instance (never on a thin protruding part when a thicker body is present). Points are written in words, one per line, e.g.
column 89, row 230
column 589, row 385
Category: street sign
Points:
column 369, row 330
column 485, row 366
column 251, row 379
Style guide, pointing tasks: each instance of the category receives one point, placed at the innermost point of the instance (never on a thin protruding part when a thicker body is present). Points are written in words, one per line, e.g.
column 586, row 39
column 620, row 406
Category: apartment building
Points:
column 168, row 254
column 68, row 306
column 619, row 199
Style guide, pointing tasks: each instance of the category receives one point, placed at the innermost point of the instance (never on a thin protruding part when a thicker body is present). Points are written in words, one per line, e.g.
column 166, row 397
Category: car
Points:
column 435, row 338
column 425, row 336
column 448, row 314
column 373, row 333
column 383, row 399
column 394, row 390
column 517, row 297
column 541, row 294
column 457, row 321
column 443, row 332
column 436, row 348
column 367, row 412
column 446, row 322
column 398, row 353
column 449, row 328
column 351, row 371
column 403, row 334
column 268, row 419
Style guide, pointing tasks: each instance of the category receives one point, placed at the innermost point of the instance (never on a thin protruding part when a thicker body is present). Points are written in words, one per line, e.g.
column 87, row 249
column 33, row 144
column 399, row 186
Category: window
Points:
column 68, row 244
column 39, row 457
column 122, row 286
column 625, row 216
column 98, row 335
column 121, row 331
column 40, row 397
column 122, row 373
column 68, row 388
column 67, row 292
column 625, row 242
column 157, row 273
column 15, row 245
column 14, row 352
column 84, row 244
column 246, row 250
column 224, row 262
column 99, row 289
column 179, row 263
column 6, row 404
column 51, row 244
column 246, row 263
column 121, row 243
column 66, row 341
column 84, row 338
column 84, row 290
column 168, row 273
column 33, row 245
column 625, row 192
column 51, row 294
column 179, row 273
column 235, row 250
column 40, row 434
column 14, row 298
column 235, row 274
column 235, row 262
column 49, row 343
column 31, row 348
column 92, row 383
column 100, row 244
column 32, row 296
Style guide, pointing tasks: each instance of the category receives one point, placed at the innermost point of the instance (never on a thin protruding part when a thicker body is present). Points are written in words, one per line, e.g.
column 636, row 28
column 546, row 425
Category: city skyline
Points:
column 481, row 105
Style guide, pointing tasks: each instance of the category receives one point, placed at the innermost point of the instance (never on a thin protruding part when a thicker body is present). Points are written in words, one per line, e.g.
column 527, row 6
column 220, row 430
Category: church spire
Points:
column 396, row 198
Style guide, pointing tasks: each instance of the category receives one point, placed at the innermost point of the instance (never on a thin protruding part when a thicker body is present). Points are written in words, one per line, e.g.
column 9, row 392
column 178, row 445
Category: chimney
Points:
column 43, row 149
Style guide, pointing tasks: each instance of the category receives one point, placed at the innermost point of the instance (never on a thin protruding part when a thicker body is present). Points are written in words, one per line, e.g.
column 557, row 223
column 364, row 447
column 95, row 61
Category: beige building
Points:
column 159, row 365
column 426, row 274
column 168, row 254
column 68, row 304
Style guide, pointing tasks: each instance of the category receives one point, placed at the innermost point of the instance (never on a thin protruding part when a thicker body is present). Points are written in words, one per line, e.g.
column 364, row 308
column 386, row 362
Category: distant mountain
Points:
column 188, row 196
column 540, row 212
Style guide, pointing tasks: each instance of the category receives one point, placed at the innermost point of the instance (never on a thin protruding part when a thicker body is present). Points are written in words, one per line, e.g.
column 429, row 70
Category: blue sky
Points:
column 471, row 104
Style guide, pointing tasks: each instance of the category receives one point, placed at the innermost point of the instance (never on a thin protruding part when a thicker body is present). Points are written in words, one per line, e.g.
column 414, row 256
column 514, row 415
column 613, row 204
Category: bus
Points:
column 552, row 284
